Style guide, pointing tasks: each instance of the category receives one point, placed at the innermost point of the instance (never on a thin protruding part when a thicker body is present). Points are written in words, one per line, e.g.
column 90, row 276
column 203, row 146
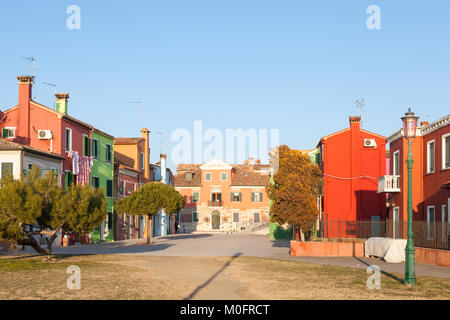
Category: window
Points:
column 108, row 153
column 257, row 196
column 236, row 197
column 68, row 179
column 8, row 132
column 396, row 163
column 256, row 217
column 224, row 176
column 109, row 188
column 122, row 187
column 396, row 223
column 430, row 156
column 85, row 145
column 446, row 151
column 68, row 139
column 208, row 176
column 443, row 222
column 110, row 220
column 189, row 176
column 95, row 148
column 142, row 161
column 7, row 169
column 96, row 182
column 195, row 196
column 235, row 216
column 430, row 222
column 194, row 216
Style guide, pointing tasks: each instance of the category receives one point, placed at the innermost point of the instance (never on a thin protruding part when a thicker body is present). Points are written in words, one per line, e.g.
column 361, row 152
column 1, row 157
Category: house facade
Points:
column 220, row 196
column 351, row 161
column 430, row 179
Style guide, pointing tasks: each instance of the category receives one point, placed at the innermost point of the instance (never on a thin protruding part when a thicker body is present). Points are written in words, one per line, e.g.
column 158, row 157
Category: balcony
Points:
column 215, row 203
column 388, row 184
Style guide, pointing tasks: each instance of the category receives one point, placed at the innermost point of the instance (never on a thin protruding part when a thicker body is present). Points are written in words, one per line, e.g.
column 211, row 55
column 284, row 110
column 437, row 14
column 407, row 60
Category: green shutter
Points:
column 5, row 133
column 253, row 197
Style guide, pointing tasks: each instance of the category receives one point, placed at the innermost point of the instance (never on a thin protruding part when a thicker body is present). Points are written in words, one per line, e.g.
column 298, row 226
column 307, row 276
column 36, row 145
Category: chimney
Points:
column 355, row 122
column 25, row 95
column 424, row 123
column 163, row 169
column 144, row 134
column 61, row 102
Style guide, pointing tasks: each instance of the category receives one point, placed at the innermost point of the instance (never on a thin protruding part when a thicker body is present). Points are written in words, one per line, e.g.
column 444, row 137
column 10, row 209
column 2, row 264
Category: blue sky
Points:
column 292, row 65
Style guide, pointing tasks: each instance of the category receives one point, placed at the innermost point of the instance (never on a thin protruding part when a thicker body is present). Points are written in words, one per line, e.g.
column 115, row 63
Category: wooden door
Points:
column 216, row 220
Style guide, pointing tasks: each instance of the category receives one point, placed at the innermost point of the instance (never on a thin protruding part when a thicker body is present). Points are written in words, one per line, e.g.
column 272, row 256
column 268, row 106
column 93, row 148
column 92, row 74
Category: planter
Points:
column 327, row 249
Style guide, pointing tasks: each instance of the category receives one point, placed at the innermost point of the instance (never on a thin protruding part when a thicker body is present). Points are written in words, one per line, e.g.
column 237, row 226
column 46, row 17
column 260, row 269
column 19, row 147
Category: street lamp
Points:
column 409, row 131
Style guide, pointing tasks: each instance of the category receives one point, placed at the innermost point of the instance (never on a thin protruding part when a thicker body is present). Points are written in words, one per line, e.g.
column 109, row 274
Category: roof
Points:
column 103, row 133
column 10, row 145
column 127, row 140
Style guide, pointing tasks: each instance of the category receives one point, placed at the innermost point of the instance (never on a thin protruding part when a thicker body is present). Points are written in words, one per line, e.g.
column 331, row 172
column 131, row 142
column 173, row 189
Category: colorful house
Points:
column 102, row 176
column 351, row 161
column 431, row 181
column 219, row 196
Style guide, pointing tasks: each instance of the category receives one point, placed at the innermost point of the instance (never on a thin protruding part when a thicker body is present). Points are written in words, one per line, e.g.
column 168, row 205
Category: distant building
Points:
column 222, row 196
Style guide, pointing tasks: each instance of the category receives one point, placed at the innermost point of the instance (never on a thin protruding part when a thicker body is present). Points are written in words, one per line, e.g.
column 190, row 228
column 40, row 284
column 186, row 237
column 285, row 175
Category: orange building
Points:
column 219, row 196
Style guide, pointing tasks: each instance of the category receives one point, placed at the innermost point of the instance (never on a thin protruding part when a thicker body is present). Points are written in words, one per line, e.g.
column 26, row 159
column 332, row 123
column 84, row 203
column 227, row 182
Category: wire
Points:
column 361, row 177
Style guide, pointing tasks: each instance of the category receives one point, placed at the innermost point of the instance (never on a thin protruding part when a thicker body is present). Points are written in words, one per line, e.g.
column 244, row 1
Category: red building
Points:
column 430, row 180
column 351, row 161
column 33, row 124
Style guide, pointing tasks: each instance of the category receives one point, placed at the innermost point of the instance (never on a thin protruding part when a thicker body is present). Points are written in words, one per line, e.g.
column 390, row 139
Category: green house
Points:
column 102, row 176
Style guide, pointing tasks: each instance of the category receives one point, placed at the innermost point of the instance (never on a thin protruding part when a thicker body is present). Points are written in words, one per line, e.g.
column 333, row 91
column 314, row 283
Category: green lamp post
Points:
column 409, row 131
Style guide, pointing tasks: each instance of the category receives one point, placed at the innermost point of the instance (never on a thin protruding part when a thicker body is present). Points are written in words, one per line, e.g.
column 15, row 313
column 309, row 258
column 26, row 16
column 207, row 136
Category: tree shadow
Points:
column 184, row 236
column 207, row 282
column 281, row 243
column 387, row 274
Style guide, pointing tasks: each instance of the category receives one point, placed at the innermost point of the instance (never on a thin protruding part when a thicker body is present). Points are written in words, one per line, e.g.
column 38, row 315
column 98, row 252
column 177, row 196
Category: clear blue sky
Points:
column 292, row 65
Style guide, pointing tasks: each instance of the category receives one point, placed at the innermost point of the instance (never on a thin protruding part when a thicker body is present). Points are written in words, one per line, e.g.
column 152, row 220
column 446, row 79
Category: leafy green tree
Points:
column 150, row 199
column 294, row 192
column 40, row 202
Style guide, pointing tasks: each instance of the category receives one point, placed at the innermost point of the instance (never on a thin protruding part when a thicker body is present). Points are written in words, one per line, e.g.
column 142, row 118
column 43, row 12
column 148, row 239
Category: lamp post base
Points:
column 410, row 278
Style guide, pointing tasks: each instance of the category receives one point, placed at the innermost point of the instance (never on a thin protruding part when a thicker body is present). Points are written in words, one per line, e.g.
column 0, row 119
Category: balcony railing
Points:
column 215, row 203
column 388, row 184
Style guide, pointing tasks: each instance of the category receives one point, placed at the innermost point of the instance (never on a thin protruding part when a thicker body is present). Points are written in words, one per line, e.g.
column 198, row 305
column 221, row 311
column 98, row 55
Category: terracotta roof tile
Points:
column 127, row 140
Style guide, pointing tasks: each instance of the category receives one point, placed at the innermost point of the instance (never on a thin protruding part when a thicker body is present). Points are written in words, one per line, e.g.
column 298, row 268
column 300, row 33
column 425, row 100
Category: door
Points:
column 215, row 220
column 256, row 217
column 395, row 226
column 375, row 226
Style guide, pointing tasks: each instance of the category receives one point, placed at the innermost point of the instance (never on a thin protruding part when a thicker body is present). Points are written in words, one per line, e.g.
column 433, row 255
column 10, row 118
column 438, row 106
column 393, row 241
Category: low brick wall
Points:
column 327, row 249
column 433, row 256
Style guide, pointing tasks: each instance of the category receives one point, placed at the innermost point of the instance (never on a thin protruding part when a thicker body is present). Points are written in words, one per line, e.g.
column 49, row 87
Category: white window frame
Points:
column 443, row 151
column 193, row 197
column 395, row 222
column 68, row 148
column 429, row 220
column 393, row 163
column 13, row 130
column 210, row 176
column 240, row 196
column 429, row 143
column 226, row 176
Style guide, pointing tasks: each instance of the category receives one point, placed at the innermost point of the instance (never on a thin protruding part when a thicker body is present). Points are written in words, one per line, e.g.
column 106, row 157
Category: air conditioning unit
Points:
column 370, row 143
column 44, row 134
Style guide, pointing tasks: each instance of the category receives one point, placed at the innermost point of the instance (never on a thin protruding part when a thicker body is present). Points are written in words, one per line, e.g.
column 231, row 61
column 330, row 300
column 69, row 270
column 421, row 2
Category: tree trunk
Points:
column 32, row 242
column 149, row 229
column 302, row 235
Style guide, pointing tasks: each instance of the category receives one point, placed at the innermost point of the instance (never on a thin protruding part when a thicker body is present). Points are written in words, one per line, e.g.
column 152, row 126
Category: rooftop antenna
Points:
column 140, row 108
column 54, row 86
column 161, row 142
column 360, row 107
column 33, row 61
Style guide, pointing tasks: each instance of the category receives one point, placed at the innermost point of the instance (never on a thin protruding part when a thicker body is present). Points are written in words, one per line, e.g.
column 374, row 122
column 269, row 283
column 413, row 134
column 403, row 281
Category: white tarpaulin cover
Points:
column 391, row 250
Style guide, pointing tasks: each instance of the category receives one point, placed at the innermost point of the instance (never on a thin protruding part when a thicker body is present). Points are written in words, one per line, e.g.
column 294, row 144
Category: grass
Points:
column 149, row 277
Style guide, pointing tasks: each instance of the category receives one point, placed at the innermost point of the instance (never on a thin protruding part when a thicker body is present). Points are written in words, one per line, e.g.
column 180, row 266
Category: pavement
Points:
column 255, row 245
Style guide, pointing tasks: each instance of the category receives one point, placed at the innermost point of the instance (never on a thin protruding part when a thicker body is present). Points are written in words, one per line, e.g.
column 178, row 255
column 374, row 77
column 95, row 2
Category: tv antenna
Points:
column 360, row 107
column 140, row 109
column 161, row 142
column 54, row 86
column 33, row 61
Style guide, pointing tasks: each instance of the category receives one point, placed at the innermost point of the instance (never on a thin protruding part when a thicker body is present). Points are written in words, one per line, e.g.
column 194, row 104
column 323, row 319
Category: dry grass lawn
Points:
column 139, row 277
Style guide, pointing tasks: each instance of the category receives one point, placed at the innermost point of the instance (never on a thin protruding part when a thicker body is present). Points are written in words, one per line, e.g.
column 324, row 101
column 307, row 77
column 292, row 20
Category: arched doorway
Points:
column 215, row 220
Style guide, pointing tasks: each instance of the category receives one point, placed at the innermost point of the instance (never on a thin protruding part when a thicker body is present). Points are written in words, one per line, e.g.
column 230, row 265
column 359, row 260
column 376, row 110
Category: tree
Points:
column 149, row 200
column 294, row 193
column 40, row 202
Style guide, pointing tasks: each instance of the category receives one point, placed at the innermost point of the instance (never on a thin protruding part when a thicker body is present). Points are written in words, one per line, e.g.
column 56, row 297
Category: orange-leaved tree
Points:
column 295, row 190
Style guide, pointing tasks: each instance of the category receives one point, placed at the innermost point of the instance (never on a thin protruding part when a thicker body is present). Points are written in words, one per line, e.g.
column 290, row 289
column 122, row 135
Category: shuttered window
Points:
column 95, row 148
column 236, row 197
column 109, row 188
column 257, row 196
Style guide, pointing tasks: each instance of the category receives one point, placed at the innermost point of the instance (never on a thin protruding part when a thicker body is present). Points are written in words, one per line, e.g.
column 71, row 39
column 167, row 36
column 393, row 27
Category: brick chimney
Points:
column 61, row 102
column 355, row 122
column 144, row 134
column 424, row 123
column 25, row 96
